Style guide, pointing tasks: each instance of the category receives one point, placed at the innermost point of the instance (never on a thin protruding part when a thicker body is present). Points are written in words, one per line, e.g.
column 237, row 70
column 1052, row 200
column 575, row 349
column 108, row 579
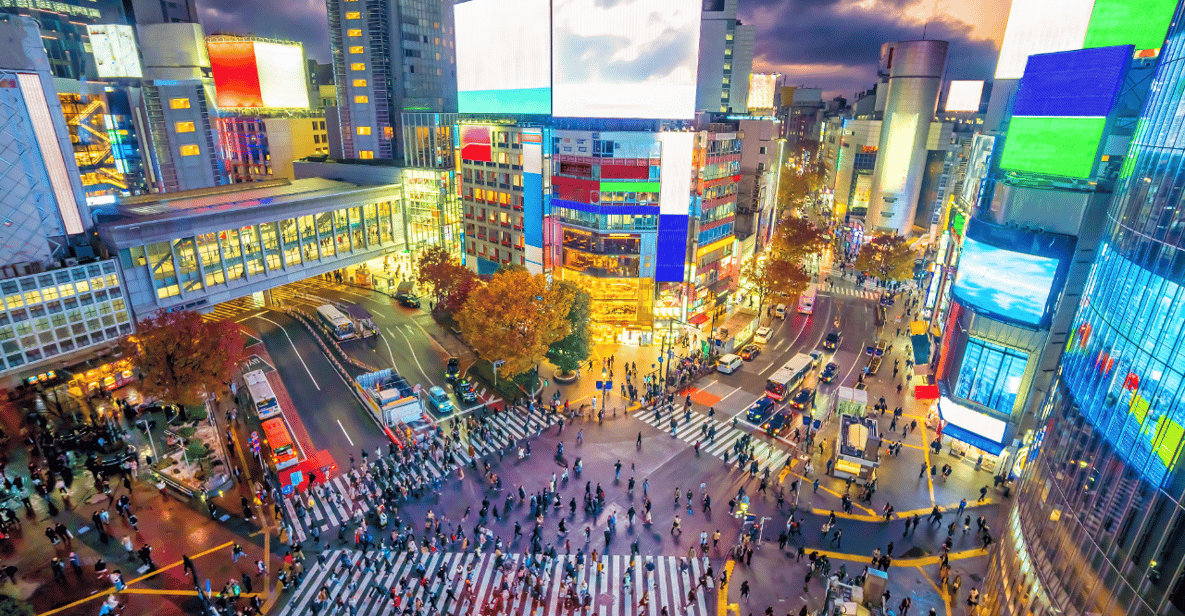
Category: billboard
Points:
column 1041, row 27
column 761, row 91
column 1009, row 274
column 115, row 51
column 1143, row 23
column 503, row 56
column 964, row 96
column 625, row 58
column 476, row 143
column 1083, row 82
column 252, row 74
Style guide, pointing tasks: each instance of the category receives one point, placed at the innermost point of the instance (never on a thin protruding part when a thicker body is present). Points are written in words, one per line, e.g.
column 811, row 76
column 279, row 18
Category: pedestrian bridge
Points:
column 196, row 249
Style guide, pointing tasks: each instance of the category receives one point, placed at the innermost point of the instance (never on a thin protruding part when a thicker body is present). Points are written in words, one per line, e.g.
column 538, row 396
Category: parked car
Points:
column 780, row 311
column 750, row 352
column 803, row 399
column 407, row 299
column 829, row 372
column 466, row 390
column 439, row 401
column 760, row 410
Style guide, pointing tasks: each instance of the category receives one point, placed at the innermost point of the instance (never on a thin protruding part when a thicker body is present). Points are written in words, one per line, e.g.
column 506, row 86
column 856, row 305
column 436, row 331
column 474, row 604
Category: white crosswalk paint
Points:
column 360, row 585
column 331, row 503
column 726, row 435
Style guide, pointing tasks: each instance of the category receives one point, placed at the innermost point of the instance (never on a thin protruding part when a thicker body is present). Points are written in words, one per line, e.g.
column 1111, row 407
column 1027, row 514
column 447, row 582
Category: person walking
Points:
column 745, row 589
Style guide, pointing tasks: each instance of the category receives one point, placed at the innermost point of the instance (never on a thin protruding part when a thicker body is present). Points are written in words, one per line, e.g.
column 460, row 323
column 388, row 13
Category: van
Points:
column 729, row 363
column 762, row 335
column 780, row 311
column 440, row 401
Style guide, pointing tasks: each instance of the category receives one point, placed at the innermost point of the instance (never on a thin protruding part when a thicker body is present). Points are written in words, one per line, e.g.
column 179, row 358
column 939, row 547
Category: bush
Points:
column 197, row 413
column 11, row 606
column 196, row 451
column 186, row 432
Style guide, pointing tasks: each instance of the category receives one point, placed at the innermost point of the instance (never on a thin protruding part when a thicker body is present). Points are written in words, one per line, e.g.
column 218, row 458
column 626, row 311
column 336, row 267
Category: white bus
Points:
column 342, row 328
column 806, row 301
column 789, row 377
column 259, row 393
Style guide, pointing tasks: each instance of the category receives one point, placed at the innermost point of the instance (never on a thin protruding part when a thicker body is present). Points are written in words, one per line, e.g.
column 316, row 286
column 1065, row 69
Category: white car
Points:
column 762, row 335
column 780, row 311
column 729, row 363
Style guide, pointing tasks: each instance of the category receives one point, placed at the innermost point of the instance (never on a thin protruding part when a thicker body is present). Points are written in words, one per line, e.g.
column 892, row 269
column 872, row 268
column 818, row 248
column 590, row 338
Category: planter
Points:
column 566, row 378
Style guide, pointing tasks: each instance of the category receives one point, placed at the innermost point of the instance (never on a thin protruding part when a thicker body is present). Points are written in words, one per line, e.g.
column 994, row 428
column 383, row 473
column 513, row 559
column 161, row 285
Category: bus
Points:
column 341, row 327
column 783, row 382
column 806, row 301
column 280, row 444
column 260, row 396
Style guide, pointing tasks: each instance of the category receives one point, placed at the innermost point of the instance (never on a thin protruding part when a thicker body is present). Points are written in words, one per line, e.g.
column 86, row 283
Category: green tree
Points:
column 887, row 257
column 182, row 357
column 11, row 606
column 515, row 318
column 575, row 348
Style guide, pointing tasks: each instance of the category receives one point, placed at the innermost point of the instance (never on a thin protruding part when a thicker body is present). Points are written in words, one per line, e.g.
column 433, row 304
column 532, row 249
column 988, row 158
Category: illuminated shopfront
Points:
column 621, row 307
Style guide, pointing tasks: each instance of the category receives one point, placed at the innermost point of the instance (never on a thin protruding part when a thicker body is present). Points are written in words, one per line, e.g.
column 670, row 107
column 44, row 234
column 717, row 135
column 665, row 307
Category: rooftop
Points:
column 220, row 199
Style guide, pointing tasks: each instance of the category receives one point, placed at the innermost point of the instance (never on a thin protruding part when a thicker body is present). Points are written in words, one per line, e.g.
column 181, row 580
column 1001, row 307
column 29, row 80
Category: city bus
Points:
column 280, row 444
column 260, row 396
column 341, row 327
column 783, row 382
column 806, row 301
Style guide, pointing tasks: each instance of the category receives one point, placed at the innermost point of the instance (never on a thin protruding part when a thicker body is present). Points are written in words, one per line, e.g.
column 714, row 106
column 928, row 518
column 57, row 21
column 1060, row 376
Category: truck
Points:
column 395, row 399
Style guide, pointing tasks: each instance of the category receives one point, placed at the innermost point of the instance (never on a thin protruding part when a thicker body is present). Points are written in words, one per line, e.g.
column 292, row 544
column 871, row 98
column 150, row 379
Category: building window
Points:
column 366, row 154
column 357, row 49
column 359, row 83
column 357, row 66
column 362, row 99
column 363, row 130
column 354, row 32
column 353, row 15
column 184, row 127
column 190, row 150
column 179, row 103
column 991, row 374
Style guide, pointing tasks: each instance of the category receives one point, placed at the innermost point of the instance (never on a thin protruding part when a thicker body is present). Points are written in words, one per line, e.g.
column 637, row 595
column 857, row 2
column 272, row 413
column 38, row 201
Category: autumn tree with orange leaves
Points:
column 515, row 317
column 182, row 357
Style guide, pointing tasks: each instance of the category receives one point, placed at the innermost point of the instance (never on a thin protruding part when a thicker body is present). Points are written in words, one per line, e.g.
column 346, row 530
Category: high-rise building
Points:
column 1095, row 525
column 725, row 59
column 64, row 34
column 389, row 57
column 258, row 147
column 161, row 11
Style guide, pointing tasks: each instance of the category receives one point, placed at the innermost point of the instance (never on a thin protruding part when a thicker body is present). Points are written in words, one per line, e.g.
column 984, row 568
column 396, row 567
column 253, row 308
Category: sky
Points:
column 832, row 44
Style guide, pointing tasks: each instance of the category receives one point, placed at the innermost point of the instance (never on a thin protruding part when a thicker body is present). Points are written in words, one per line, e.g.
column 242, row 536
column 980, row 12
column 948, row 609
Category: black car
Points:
column 407, row 300
column 829, row 372
column 750, row 352
column 803, row 399
column 452, row 369
column 466, row 390
column 832, row 341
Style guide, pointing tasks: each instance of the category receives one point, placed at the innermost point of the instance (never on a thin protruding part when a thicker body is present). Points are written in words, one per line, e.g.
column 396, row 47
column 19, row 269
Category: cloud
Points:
column 292, row 20
column 835, row 44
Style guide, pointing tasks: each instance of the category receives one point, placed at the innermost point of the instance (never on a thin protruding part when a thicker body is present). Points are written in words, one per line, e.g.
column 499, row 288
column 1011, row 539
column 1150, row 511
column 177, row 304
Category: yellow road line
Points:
column 941, row 592
column 929, row 477
column 901, row 515
column 722, row 593
column 904, row 562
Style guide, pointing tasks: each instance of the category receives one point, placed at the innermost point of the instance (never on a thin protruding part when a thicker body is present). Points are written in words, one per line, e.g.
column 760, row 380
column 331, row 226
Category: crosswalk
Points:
column 691, row 431
column 331, row 507
column 367, row 585
column 845, row 291
column 302, row 293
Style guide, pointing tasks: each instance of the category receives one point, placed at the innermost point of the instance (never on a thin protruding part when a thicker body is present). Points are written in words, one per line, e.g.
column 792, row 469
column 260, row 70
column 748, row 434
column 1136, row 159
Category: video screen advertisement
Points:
column 503, row 56
column 1012, row 275
column 625, row 58
column 250, row 74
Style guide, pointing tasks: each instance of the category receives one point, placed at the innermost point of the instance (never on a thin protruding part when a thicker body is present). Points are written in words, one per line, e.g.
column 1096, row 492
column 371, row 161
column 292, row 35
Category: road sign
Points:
column 599, row 384
column 608, row 386
column 417, row 388
column 659, row 361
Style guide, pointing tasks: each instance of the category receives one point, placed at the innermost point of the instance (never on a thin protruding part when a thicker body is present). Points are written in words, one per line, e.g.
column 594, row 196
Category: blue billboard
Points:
column 1079, row 83
column 1011, row 275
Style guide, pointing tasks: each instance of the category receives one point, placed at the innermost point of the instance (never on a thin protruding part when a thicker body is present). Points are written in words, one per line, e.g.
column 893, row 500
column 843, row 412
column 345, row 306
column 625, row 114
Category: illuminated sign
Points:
column 253, row 74
column 971, row 420
column 964, row 96
column 503, row 56
column 115, row 51
column 622, row 59
column 1143, row 23
column 761, row 90
column 1041, row 27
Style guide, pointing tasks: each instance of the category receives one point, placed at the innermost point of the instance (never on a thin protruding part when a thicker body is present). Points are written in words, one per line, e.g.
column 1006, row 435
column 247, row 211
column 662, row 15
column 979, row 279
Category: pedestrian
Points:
column 745, row 589
column 235, row 552
column 982, row 495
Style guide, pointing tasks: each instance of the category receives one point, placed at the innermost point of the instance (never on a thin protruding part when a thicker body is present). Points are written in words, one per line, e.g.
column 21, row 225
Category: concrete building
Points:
column 63, row 25
column 725, row 59
column 915, row 70
column 263, row 148
column 389, row 57
column 762, row 153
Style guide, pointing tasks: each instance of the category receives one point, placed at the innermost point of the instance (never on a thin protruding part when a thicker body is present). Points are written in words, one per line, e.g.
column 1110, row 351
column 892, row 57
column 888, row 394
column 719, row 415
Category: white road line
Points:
column 339, row 423
column 294, row 349
column 415, row 357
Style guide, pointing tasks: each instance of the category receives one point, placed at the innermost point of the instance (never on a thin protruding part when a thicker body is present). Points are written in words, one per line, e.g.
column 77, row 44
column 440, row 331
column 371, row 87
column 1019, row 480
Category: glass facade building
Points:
column 1099, row 517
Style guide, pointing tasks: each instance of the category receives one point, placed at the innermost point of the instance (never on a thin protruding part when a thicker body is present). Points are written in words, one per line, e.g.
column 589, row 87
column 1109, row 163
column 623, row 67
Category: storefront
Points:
column 622, row 308
column 103, row 379
column 382, row 274
column 972, row 433
column 858, row 454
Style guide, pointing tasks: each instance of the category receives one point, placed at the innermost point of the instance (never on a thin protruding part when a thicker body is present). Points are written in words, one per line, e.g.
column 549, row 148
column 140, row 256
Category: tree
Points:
column 182, row 357
column 774, row 275
column 436, row 270
column 887, row 257
column 515, row 317
column 11, row 606
column 461, row 282
column 572, row 350
column 795, row 238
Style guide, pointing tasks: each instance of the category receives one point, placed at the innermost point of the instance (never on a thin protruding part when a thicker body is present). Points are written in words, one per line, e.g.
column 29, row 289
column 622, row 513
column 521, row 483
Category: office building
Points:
column 161, row 11
column 64, row 30
column 762, row 153
column 725, row 59
column 256, row 147
column 389, row 57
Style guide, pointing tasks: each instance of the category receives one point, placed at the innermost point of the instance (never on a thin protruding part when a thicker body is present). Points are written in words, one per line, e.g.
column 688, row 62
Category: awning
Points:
column 917, row 328
column 921, row 349
column 698, row 319
column 926, row 392
column 973, row 427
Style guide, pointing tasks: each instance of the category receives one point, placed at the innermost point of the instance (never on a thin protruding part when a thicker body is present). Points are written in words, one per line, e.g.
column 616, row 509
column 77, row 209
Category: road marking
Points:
column 416, row 357
column 390, row 354
column 294, row 349
column 945, row 596
column 339, row 423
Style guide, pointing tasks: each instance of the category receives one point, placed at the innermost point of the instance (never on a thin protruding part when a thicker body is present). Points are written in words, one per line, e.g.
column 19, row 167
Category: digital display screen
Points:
column 115, row 51
column 971, row 420
column 249, row 74
column 761, row 91
column 503, row 56
column 1143, row 23
column 1041, row 27
column 1066, row 147
column 964, row 96
column 625, row 58
column 282, row 80
column 1013, row 285
column 1083, row 82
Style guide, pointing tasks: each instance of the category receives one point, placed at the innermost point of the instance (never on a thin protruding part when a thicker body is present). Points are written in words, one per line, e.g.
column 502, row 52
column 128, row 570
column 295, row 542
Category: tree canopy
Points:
column 181, row 356
column 887, row 257
column 796, row 237
column 515, row 318
column 436, row 270
column 774, row 276
column 575, row 348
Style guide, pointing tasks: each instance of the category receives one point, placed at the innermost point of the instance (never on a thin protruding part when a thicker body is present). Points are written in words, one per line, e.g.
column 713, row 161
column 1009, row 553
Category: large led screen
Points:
column 115, row 51
column 282, row 80
column 1082, row 82
column 1143, row 23
column 1066, row 147
column 625, row 58
column 503, row 56
column 761, row 91
column 1010, row 284
column 1041, row 27
column 964, row 96
column 250, row 74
